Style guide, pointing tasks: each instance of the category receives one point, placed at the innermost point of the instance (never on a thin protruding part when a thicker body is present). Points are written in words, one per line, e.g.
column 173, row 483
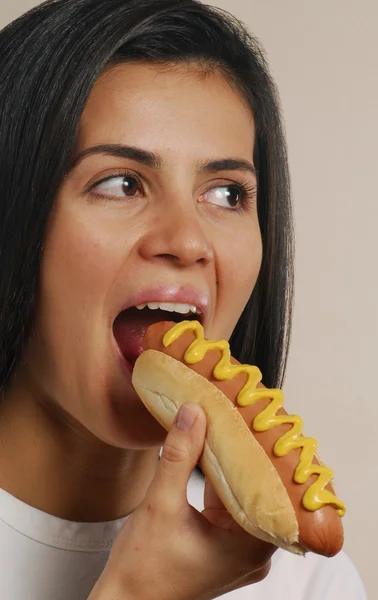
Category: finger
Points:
column 221, row 518
column 181, row 451
column 215, row 511
column 210, row 498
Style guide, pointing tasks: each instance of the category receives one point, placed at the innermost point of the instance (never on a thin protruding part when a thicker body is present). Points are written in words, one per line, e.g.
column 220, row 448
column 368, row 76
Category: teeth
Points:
column 183, row 309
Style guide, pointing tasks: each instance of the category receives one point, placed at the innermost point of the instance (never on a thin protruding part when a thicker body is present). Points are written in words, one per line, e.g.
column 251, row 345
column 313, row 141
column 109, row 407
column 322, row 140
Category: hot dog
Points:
column 265, row 472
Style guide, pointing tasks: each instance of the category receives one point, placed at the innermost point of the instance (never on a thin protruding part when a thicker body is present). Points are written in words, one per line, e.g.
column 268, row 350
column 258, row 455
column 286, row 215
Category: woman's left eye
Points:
column 123, row 186
column 232, row 196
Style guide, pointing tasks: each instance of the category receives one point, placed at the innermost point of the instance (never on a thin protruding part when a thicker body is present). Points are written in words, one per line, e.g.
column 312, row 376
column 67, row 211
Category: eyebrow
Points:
column 154, row 161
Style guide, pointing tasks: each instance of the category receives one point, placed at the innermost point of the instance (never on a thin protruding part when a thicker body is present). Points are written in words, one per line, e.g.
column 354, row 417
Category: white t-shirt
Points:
column 43, row 557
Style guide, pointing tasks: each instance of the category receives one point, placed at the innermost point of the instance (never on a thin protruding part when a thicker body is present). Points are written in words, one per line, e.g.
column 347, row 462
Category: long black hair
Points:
column 50, row 59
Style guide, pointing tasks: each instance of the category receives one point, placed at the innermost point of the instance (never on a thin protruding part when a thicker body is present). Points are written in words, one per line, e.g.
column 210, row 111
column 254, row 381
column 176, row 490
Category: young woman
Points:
column 142, row 160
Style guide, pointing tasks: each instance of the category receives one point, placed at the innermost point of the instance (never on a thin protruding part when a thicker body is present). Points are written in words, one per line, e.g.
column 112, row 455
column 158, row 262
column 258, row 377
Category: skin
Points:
column 75, row 440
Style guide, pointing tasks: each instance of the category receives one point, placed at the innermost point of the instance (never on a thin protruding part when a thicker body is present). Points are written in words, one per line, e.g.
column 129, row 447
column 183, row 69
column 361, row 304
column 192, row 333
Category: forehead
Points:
column 181, row 108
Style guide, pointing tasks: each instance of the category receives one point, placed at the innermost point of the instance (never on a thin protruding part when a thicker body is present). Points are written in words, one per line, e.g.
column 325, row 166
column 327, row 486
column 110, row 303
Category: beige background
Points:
column 324, row 56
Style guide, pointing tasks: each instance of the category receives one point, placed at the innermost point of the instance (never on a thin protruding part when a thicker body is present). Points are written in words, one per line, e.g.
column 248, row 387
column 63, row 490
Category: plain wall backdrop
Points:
column 324, row 57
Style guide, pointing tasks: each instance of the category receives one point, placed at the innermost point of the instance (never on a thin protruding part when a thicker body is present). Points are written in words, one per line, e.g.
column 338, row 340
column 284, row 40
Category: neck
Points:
column 54, row 466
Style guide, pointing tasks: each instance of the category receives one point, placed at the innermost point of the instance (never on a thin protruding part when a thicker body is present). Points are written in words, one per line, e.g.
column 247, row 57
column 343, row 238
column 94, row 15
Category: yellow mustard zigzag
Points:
column 316, row 495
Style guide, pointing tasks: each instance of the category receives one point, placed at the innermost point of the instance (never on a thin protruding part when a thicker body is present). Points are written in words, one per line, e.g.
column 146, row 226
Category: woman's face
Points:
column 169, row 221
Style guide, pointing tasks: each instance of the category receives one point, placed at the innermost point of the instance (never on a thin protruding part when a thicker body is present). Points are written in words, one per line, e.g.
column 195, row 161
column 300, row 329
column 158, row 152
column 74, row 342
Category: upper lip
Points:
column 174, row 294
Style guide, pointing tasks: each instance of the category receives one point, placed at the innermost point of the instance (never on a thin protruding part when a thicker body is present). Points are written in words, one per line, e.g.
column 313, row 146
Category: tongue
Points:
column 130, row 327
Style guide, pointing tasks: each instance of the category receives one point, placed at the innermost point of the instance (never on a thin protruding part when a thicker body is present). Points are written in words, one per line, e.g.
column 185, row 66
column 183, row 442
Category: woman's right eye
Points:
column 122, row 186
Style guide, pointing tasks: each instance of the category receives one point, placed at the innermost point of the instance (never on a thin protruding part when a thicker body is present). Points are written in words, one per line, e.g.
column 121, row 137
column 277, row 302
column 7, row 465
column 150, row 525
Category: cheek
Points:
column 239, row 267
column 81, row 260
column 79, row 265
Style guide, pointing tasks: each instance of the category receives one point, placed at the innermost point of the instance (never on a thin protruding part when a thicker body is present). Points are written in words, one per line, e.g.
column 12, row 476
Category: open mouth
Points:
column 130, row 326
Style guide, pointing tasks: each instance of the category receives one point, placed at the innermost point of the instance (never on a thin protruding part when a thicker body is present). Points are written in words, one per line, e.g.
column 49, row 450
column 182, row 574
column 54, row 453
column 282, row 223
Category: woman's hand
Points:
column 169, row 550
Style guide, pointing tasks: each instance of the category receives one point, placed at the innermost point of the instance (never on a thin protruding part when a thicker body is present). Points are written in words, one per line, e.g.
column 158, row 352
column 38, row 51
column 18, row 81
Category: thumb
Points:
column 181, row 451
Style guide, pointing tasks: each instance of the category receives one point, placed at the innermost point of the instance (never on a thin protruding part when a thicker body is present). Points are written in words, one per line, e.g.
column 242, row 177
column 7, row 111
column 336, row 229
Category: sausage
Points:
column 320, row 530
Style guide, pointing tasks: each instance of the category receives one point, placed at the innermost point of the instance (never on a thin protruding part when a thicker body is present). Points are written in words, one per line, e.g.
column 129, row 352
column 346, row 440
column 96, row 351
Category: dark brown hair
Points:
column 50, row 59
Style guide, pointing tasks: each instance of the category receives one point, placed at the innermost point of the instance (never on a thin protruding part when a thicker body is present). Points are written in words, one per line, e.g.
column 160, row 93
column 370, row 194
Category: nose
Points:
column 178, row 236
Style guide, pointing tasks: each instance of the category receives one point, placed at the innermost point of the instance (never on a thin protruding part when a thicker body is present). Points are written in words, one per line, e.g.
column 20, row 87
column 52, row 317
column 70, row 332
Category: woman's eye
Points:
column 228, row 196
column 122, row 186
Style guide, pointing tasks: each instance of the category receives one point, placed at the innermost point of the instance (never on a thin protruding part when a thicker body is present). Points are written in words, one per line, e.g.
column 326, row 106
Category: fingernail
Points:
column 185, row 418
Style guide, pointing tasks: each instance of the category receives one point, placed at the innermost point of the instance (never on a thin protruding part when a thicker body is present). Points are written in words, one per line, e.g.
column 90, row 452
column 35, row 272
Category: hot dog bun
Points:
column 256, row 486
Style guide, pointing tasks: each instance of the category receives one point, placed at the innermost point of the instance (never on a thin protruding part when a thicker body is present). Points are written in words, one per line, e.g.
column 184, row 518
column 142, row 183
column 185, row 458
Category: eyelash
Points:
column 248, row 193
column 247, row 190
